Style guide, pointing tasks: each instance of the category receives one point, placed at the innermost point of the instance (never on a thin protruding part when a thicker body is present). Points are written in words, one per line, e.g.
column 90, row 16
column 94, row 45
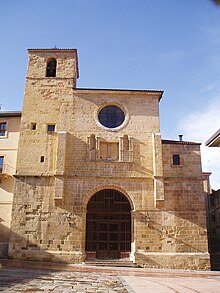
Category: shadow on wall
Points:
column 140, row 160
column 46, row 226
column 169, row 234
column 45, row 255
column 80, row 165
column 25, row 278
column 7, row 185
column 4, row 238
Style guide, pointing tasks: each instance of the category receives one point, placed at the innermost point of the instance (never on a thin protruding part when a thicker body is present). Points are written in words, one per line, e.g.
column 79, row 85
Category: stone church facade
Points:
column 94, row 179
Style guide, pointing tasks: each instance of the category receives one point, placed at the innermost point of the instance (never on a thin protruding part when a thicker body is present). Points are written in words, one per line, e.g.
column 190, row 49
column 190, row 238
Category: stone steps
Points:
column 86, row 268
column 110, row 263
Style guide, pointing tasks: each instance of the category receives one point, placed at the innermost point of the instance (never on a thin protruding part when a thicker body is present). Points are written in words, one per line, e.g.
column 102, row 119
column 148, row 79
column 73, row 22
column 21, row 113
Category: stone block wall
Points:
column 45, row 229
column 51, row 196
column 67, row 65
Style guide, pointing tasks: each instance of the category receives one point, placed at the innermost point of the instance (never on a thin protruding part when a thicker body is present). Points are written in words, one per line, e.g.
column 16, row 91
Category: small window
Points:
column 1, row 163
column 176, row 159
column 42, row 159
column 3, row 129
column 212, row 202
column 33, row 126
column 51, row 128
column 51, row 68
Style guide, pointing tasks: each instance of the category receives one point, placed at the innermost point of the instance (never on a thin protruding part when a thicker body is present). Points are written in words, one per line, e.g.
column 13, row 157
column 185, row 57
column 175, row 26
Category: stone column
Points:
column 158, row 169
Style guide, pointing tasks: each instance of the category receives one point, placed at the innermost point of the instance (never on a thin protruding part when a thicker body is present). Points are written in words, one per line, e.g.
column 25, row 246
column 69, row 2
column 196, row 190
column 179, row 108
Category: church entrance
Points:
column 108, row 225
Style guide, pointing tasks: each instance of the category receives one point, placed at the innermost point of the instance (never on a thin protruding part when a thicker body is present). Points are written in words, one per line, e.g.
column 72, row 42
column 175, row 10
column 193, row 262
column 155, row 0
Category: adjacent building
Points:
column 94, row 179
column 214, row 213
column 214, row 228
column 214, row 140
column 9, row 136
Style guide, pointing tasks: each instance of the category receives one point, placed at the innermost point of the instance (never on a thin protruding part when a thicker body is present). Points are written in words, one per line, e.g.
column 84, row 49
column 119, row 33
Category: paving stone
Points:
column 28, row 280
column 134, row 281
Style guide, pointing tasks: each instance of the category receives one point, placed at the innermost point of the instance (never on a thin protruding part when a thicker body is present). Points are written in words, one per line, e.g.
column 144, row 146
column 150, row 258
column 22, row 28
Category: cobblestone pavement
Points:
column 29, row 280
column 87, row 279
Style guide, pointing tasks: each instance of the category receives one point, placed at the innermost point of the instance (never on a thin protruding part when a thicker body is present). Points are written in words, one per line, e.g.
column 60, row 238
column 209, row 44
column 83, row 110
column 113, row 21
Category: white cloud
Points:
column 208, row 88
column 200, row 126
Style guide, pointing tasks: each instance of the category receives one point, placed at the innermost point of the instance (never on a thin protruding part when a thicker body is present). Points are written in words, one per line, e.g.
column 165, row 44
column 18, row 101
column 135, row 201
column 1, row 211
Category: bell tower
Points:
column 53, row 65
column 51, row 78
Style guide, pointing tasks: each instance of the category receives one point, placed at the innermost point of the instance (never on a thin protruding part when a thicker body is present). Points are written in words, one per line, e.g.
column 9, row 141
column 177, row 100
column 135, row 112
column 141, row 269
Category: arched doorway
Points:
column 108, row 225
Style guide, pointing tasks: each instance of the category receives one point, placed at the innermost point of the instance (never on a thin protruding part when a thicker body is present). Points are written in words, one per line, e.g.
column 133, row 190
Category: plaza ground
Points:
column 46, row 277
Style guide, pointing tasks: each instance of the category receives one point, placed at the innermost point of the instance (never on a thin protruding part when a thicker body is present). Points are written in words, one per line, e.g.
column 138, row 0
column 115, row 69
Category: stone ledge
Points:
column 173, row 260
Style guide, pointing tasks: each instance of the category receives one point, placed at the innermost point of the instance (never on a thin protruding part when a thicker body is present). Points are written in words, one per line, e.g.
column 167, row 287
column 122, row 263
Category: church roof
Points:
column 10, row 114
column 166, row 141
column 131, row 91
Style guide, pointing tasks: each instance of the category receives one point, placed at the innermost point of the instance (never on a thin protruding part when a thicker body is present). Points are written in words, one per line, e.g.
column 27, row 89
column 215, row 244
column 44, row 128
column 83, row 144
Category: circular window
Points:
column 111, row 116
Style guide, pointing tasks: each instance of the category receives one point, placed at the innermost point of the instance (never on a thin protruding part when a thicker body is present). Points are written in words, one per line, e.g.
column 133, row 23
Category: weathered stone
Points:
column 59, row 172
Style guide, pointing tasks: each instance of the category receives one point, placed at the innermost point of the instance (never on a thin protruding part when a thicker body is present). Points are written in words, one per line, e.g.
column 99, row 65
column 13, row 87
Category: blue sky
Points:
column 171, row 45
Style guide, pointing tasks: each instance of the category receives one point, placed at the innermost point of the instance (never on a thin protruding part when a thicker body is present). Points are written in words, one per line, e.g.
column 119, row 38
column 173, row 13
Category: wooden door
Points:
column 108, row 226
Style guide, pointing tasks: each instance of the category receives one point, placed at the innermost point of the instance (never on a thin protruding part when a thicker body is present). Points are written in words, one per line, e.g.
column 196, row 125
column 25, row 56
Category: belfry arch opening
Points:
column 108, row 225
column 51, row 67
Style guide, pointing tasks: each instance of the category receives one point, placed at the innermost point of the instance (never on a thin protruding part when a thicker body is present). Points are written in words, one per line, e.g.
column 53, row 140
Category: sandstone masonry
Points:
column 75, row 175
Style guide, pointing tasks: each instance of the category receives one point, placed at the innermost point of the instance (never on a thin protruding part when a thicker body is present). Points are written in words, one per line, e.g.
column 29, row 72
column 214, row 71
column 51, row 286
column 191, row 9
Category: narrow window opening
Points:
column 51, row 128
column 3, row 128
column 42, row 159
column 51, row 68
column 33, row 126
column 176, row 159
column 1, row 163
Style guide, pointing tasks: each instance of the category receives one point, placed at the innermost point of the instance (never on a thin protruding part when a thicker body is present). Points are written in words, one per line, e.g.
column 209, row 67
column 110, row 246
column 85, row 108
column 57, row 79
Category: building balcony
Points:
column 6, row 171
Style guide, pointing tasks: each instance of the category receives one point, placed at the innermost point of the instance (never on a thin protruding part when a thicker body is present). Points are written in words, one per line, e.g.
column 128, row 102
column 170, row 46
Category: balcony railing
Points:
column 6, row 171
